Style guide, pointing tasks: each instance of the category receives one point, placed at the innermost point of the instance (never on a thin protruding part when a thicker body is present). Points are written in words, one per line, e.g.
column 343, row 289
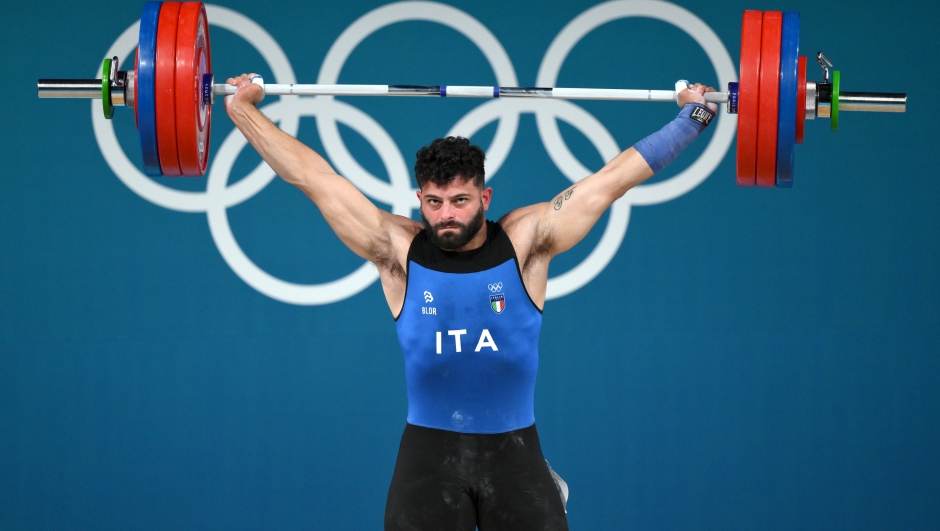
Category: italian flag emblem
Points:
column 498, row 303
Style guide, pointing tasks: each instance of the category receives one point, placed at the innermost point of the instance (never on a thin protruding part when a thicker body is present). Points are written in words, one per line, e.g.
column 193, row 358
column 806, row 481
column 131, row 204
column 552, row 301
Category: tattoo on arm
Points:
column 564, row 197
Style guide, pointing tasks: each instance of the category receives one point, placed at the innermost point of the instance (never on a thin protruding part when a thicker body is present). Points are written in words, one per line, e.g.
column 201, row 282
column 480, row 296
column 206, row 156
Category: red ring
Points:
column 800, row 98
column 193, row 117
column 748, row 92
column 165, row 77
column 771, row 37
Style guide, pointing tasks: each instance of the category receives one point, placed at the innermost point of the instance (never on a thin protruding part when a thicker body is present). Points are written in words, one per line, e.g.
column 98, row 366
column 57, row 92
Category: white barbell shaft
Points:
column 471, row 92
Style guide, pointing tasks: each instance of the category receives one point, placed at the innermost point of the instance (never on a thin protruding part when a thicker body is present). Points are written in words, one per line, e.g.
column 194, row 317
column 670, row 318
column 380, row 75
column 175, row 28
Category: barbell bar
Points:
column 171, row 89
column 91, row 89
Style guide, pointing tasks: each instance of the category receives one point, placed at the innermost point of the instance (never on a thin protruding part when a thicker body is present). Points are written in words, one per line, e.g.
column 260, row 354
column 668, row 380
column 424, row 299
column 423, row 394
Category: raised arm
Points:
column 541, row 231
column 367, row 230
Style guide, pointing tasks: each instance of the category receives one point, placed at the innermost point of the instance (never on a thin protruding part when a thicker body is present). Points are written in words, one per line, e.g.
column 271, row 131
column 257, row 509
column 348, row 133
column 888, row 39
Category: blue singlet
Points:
column 470, row 335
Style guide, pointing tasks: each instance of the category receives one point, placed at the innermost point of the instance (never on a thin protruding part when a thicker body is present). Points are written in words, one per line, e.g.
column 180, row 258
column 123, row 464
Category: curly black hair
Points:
column 446, row 159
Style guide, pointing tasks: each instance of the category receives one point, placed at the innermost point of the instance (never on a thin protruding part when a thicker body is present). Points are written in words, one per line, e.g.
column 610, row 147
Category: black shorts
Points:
column 447, row 481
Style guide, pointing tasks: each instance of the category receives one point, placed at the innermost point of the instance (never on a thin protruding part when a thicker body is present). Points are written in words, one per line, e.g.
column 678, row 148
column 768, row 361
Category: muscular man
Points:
column 467, row 297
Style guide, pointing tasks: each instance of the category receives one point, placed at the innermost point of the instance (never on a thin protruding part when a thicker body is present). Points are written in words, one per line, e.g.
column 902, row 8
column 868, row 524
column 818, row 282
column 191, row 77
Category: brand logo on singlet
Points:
column 428, row 310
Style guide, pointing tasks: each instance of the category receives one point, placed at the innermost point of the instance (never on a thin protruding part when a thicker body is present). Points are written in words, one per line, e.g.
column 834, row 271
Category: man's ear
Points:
column 486, row 195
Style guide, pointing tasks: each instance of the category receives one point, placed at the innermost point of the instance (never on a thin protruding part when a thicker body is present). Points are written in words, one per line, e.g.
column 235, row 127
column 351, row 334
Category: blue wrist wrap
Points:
column 662, row 147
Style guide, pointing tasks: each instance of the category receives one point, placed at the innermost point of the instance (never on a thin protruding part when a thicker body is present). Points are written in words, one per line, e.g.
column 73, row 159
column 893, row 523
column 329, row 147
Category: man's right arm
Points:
column 366, row 229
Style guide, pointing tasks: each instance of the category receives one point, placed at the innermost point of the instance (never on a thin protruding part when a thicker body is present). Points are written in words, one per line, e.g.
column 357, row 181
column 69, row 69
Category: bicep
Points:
column 356, row 221
column 571, row 214
column 363, row 227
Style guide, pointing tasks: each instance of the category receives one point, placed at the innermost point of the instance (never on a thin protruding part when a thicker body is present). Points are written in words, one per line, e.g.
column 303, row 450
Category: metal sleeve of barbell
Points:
column 69, row 88
column 872, row 102
column 458, row 91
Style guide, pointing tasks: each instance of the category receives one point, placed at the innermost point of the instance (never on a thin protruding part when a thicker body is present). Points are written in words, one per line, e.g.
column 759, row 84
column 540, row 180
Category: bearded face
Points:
column 451, row 240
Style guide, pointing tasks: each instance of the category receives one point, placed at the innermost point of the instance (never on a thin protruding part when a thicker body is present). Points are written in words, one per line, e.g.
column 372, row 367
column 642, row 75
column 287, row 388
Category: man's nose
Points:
column 447, row 211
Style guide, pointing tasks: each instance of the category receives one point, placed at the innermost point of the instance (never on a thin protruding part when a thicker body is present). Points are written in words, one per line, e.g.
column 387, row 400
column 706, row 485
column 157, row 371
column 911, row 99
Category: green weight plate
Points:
column 106, row 90
column 834, row 110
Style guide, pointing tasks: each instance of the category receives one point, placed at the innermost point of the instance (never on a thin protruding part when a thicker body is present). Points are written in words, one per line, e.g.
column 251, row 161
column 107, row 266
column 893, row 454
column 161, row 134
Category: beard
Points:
column 451, row 241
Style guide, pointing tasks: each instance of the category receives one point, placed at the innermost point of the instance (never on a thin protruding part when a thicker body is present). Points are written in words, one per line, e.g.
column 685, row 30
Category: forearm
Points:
column 565, row 220
column 619, row 175
column 662, row 147
column 349, row 213
column 293, row 161
column 577, row 209
column 652, row 154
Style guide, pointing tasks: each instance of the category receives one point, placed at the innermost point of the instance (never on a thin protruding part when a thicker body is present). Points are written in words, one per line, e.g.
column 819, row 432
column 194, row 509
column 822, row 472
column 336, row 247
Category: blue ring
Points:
column 146, row 89
column 786, row 118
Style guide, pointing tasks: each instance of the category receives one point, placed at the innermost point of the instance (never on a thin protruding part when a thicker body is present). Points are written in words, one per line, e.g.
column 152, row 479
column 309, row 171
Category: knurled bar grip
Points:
column 848, row 101
column 452, row 91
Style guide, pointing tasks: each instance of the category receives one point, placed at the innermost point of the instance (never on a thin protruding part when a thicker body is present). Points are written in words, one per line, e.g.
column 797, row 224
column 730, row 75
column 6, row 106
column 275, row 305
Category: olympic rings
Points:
column 401, row 12
column 397, row 191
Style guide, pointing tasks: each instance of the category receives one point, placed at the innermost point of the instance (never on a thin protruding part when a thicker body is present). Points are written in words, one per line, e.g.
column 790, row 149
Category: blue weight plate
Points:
column 146, row 88
column 786, row 121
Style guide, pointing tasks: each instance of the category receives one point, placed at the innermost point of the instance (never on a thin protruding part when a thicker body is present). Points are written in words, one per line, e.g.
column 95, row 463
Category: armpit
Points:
column 541, row 249
column 532, row 239
column 382, row 254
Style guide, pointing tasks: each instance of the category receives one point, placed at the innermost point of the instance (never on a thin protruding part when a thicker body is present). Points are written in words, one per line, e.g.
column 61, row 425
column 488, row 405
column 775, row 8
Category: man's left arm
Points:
column 570, row 215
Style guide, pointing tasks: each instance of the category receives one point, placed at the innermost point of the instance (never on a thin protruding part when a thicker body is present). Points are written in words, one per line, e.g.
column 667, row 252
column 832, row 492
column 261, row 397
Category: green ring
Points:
column 834, row 109
column 106, row 90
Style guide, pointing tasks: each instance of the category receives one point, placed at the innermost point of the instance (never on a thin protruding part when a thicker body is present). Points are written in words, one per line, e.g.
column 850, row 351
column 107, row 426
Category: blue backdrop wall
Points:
column 204, row 353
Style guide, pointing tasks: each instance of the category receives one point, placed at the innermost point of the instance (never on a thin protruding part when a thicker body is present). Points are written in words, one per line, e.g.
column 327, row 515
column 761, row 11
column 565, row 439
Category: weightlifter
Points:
column 466, row 294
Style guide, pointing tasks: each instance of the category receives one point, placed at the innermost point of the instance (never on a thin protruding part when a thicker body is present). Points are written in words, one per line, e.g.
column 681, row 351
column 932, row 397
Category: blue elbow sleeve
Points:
column 662, row 147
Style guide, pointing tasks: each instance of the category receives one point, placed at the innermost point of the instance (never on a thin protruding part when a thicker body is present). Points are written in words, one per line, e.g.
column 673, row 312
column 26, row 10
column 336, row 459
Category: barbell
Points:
column 171, row 90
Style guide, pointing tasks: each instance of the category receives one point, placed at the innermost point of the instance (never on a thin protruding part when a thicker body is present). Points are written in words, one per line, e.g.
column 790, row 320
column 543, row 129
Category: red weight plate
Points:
column 136, row 77
column 192, row 115
column 767, row 115
column 748, row 92
column 165, row 78
column 800, row 98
